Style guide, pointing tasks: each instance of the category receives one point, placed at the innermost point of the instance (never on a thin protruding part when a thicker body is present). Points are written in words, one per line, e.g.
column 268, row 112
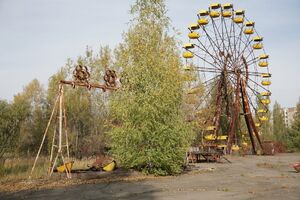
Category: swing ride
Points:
column 59, row 154
column 228, row 55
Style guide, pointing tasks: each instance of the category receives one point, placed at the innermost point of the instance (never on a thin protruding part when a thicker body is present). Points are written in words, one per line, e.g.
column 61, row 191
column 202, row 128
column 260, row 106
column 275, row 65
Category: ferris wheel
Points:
column 228, row 55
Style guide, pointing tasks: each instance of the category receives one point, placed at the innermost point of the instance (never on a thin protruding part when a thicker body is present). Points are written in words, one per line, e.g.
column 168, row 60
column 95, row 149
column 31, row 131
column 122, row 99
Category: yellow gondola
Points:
column 235, row 147
column 238, row 20
column 257, row 46
column 227, row 5
column 249, row 24
column 211, row 128
column 263, row 56
column 257, row 39
column 240, row 12
column 187, row 68
column 265, row 101
column 188, row 46
column 261, row 111
column 194, row 26
column 202, row 21
column 203, row 12
column 222, row 137
column 263, row 118
column 266, row 75
column 226, row 13
column 214, row 14
column 194, row 35
column 263, row 64
column 265, row 94
column 266, row 82
column 210, row 137
column 215, row 5
column 249, row 31
column 188, row 54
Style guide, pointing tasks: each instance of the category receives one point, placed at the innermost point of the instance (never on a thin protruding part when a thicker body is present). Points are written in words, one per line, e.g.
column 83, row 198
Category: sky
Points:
column 38, row 36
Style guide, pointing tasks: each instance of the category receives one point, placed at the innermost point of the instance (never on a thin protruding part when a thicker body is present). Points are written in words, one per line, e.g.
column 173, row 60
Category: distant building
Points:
column 289, row 116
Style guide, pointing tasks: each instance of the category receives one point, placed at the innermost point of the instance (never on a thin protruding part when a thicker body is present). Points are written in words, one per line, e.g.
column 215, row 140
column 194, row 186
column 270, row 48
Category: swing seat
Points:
column 67, row 166
column 110, row 167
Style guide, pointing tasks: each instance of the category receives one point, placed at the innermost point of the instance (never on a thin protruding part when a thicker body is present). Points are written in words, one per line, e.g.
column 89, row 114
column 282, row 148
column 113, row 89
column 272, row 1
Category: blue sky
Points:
column 37, row 36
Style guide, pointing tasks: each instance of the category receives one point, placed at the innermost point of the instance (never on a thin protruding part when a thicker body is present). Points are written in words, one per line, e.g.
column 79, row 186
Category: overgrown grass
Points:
column 20, row 168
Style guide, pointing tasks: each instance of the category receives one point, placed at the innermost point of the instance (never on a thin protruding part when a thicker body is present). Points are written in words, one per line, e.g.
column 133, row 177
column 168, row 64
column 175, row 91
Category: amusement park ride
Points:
column 60, row 151
column 228, row 55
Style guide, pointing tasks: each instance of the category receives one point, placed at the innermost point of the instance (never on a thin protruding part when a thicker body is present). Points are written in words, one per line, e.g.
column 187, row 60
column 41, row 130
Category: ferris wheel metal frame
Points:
column 230, row 63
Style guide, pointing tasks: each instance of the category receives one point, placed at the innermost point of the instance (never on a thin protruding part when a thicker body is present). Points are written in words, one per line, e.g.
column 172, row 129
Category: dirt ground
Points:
column 250, row 177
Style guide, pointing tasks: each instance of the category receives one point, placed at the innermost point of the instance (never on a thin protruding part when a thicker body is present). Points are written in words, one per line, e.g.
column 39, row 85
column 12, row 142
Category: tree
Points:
column 293, row 138
column 279, row 129
column 11, row 116
column 149, row 132
column 33, row 103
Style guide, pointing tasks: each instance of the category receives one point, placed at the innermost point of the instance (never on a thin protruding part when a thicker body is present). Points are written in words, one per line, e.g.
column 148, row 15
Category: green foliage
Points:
column 279, row 128
column 149, row 132
column 11, row 116
column 293, row 137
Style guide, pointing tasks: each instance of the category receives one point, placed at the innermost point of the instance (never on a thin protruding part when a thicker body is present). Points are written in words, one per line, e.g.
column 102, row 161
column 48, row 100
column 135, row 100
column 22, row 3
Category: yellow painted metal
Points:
column 67, row 166
column 257, row 124
column 240, row 12
column 195, row 90
column 245, row 144
column 202, row 21
column 194, row 35
column 187, row 68
column 263, row 118
column 188, row 46
column 238, row 20
column 203, row 12
column 266, row 75
column 194, row 26
column 263, row 56
column 215, row 5
column 257, row 39
column 257, row 46
column 265, row 94
column 263, row 63
column 222, row 137
column 235, row 147
column 226, row 13
column 214, row 14
column 266, row 82
column 265, row 101
column 110, row 167
column 249, row 23
column 261, row 111
column 210, row 137
column 211, row 128
column 249, row 31
column 188, row 54
column 227, row 5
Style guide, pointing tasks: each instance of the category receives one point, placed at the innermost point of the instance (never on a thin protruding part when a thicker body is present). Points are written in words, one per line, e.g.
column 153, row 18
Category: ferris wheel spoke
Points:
column 203, row 48
column 212, row 43
column 259, row 85
column 206, row 61
column 256, row 94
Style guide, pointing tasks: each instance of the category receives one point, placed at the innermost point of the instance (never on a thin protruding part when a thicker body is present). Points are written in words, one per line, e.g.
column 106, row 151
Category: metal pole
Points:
column 60, row 119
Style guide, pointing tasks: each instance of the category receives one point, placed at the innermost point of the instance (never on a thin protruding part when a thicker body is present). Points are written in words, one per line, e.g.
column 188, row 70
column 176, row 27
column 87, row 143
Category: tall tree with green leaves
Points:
column 279, row 129
column 149, row 132
column 293, row 138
